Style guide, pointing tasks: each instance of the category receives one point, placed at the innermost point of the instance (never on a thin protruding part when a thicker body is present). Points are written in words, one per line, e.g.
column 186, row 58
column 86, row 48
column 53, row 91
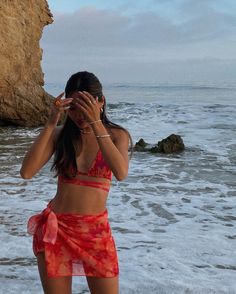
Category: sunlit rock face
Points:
column 23, row 100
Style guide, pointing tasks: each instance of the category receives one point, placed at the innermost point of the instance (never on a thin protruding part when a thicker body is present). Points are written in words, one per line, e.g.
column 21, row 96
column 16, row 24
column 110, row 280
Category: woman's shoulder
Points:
column 118, row 134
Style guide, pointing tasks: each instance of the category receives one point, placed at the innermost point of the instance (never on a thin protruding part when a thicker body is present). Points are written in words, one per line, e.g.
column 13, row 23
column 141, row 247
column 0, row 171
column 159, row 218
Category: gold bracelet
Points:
column 103, row 136
column 93, row 122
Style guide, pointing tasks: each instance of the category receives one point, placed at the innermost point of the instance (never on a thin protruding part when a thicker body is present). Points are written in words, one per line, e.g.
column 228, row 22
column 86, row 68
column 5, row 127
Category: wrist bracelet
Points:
column 103, row 136
column 93, row 122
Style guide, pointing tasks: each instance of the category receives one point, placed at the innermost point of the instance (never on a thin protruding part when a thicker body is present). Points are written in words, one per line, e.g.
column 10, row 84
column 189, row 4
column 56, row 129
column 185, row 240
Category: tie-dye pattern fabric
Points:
column 74, row 244
column 98, row 169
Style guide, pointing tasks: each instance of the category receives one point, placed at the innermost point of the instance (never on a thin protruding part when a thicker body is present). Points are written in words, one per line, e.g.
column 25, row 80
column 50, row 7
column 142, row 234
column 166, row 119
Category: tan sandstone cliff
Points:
column 22, row 99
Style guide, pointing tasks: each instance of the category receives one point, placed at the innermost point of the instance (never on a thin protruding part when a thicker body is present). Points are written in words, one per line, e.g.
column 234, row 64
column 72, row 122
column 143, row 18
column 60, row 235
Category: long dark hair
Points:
column 67, row 142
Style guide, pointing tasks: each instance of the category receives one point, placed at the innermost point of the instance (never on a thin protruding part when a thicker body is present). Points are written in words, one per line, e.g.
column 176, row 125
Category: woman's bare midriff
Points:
column 71, row 198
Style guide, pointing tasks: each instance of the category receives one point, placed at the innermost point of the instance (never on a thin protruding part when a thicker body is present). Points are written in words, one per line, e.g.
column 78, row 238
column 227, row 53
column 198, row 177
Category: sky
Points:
column 141, row 41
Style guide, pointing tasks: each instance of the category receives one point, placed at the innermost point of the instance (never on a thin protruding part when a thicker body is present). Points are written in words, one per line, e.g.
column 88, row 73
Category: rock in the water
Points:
column 23, row 100
column 171, row 144
column 140, row 145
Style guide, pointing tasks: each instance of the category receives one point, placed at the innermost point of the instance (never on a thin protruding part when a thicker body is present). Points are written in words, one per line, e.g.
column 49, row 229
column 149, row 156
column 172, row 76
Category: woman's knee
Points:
column 103, row 285
column 57, row 285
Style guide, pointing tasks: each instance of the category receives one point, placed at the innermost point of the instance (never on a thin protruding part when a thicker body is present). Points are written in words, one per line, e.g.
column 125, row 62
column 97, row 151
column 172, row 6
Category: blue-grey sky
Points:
column 148, row 40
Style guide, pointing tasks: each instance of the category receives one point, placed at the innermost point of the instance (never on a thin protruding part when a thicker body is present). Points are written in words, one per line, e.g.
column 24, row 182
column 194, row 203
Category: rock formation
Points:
column 171, row 144
column 140, row 145
column 23, row 100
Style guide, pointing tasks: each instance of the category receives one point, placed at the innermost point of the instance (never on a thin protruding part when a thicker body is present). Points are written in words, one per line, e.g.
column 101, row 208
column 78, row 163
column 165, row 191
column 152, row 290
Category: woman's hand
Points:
column 88, row 106
column 58, row 107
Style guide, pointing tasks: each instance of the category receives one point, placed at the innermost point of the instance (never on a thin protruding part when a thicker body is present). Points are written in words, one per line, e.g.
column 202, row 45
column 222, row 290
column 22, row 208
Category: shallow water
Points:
column 173, row 218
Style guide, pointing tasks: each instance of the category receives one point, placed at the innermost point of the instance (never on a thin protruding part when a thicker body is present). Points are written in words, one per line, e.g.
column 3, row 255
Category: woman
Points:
column 72, row 235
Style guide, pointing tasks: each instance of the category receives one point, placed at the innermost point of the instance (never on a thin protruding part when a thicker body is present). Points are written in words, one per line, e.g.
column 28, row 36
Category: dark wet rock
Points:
column 171, row 144
column 140, row 145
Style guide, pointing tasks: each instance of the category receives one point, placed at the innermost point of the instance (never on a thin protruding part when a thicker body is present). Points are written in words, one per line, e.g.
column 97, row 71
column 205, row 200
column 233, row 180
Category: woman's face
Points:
column 75, row 115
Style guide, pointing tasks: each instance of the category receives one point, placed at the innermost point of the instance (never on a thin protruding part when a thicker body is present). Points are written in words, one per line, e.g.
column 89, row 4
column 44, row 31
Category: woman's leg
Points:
column 61, row 285
column 103, row 285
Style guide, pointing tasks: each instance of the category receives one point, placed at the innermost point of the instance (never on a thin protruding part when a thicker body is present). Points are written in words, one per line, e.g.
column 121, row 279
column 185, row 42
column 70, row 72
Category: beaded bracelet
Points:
column 103, row 136
column 93, row 122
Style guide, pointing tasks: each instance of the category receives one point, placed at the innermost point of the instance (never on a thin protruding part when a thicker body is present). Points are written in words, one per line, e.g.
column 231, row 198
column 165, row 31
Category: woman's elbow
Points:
column 121, row 176
column 25, row 175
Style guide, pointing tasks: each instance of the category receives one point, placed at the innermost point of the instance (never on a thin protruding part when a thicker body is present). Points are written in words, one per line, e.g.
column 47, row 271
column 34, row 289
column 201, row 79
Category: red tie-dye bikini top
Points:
column 98, row 169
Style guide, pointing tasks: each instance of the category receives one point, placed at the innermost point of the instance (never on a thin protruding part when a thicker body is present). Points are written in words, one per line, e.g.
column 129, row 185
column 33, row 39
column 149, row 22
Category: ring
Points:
column 57, row 102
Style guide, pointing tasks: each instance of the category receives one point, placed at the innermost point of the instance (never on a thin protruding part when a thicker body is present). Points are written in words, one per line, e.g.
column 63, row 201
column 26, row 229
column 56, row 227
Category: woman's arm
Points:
column 43, row 147
column 39, row 153
column 115, row 153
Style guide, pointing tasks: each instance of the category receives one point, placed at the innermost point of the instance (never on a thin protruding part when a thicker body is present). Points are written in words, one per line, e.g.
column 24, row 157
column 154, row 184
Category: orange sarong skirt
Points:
column 74, row 244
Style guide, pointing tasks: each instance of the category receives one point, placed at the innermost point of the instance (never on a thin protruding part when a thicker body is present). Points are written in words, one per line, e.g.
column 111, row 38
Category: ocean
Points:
column 173, row 218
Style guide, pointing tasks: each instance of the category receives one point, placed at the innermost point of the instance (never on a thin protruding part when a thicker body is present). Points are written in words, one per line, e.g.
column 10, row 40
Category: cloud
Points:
column 103, row 28
column 103, row 39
